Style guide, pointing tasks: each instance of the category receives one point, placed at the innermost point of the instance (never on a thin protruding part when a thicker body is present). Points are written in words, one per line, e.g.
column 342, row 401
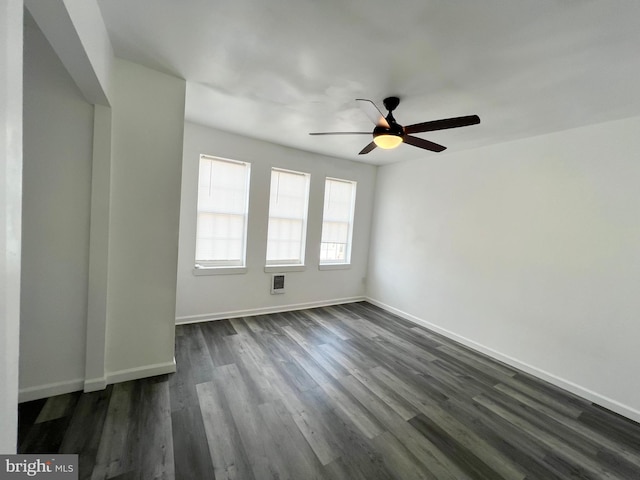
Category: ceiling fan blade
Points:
column 340, row 133
column 422, row 143
column 442, row 124
column 368, row 148
column 373, row 112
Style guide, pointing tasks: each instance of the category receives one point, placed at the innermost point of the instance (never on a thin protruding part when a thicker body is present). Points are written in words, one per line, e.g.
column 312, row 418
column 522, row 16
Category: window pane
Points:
column 337, row 221
column 223, row 193
column 288, row 201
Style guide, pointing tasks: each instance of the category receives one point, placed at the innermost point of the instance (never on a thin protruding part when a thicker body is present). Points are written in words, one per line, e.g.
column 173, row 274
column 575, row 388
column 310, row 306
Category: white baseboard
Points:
column 264, row 310
column 94, row 384
column 49, row 390
column 141, row 372
column 585, row 393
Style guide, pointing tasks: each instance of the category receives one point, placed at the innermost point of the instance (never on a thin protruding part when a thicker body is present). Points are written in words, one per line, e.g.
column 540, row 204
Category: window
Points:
column 223, row 201
column 288, row 201
column 337, row 221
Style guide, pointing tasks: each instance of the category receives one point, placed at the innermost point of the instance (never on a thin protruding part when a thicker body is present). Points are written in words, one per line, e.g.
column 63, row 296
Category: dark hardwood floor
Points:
column 344, row 392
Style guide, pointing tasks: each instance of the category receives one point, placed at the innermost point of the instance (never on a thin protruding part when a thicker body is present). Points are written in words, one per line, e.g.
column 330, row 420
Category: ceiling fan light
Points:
column 387, row 141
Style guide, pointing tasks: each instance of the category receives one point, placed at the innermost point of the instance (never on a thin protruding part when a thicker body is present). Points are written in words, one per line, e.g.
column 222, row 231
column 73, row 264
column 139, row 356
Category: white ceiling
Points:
column 278, row 69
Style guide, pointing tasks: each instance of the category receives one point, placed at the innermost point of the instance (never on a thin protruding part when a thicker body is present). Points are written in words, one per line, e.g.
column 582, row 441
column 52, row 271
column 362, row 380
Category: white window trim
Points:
column 204, row 270
column 200, row 271
column 285, row 268
column 334, row 266
column 272, row 266
column 331, row 265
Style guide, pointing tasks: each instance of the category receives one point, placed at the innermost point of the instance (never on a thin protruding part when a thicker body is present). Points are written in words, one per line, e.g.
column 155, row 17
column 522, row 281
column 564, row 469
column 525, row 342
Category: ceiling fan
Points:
column 389, row 134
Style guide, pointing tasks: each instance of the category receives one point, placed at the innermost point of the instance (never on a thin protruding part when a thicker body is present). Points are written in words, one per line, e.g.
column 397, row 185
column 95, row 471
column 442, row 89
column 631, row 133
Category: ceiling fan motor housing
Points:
column 394, row 129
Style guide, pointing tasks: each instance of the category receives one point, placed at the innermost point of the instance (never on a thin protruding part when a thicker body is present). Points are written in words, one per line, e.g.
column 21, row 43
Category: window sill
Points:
column 284, row 268
column 334, row 266
column 204, row 271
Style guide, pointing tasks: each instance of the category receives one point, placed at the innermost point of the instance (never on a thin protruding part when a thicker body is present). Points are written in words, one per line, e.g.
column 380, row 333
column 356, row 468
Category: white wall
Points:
column 57, row 193
column 528, row 250
column 126, row 180
column 78, row 35
column 220, row 296
column 11, row 13
column 147, row 131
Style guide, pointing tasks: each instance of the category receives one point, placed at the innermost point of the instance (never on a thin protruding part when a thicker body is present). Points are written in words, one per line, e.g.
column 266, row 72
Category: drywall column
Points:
column 146, row 160
column 95, row 376
column 11, row 12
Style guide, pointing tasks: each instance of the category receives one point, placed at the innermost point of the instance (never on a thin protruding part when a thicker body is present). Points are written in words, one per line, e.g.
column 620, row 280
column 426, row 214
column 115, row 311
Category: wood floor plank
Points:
column 326, row 323
column 359, row 466
column 190, row 445
column 251, row 427
column 307, row 329
column 327, row 364
column 449, row 383
column 402, row 342
column 280, row 348
column 423, row 450
column 343, row 360
column 183, row 390
column 289, row 443
column 398, row 459
column 560, row 449
column 308, row 419
column 557, row 402
column 214, row 336
column 226, row 451
column 504, row 437
column 138, row 412
column 462, row 435
column 460, row 366
column 352, row 411
column 342, row 392
column 477, row 362
column 27, row 414
column 91, row 409
column 309, row 365
column 388, row 396
column 115, row 442
column 45, row 437
column 621, row 430
column 57, row 407
column 356, row 352
column 475, row 358
column 199, row 357
column 463, row 457
column 399, row 326
column 598, row 442
column 153, row 451
column 397, row 357
column 250, row 363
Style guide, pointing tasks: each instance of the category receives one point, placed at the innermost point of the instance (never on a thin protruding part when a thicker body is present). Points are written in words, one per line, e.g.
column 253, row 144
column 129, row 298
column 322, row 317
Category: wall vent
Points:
column 277, row 283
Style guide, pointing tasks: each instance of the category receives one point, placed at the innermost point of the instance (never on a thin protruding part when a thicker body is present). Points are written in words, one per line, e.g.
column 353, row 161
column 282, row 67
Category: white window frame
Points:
column 216, row 267
column 328, row 264
column 291, row 264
